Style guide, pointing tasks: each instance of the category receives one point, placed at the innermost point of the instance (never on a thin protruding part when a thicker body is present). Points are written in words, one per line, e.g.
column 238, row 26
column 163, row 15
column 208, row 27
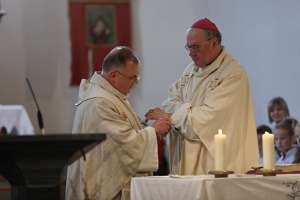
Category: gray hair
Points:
column 118, row 57
column 212, row 33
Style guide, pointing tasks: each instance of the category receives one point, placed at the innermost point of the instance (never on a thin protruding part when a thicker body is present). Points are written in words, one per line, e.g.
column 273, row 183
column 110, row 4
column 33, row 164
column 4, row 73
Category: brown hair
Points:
column 262, row 129
column 288, row 124
column 277, row 101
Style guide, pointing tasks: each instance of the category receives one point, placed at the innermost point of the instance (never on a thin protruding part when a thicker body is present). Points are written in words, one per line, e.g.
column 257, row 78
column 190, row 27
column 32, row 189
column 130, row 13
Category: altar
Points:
column 15, row 120
column 206, row 187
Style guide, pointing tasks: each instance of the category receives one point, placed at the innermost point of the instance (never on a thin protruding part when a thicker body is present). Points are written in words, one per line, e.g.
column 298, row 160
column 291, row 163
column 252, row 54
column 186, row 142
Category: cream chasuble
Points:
column 203, row 101
column 128, row 150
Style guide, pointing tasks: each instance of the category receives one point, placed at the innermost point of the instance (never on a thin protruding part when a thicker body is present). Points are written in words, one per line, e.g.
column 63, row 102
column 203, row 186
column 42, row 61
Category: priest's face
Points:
column 199, row 47
column 126, row 77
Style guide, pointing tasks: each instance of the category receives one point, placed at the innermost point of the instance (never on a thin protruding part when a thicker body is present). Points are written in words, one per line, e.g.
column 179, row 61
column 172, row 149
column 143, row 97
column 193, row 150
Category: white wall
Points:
column 34, row 43
column 12, row 56
column 161, row 43
column 262, row 35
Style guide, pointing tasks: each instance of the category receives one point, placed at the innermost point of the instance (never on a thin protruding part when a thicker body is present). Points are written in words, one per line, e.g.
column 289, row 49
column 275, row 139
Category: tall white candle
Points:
column 220, row 139
column 268, row 151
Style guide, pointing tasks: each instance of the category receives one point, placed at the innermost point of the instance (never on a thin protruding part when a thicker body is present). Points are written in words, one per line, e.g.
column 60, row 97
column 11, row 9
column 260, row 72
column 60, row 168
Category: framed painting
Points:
column 96, row 26
column 100, row 25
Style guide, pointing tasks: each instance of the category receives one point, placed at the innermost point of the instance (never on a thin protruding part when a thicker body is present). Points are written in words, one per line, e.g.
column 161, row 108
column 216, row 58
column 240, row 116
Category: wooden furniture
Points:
column 33, row 164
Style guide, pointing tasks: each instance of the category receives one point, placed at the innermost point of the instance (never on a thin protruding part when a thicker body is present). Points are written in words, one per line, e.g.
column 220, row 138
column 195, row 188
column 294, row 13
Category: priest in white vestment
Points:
column 212, row 93
column 129, row 149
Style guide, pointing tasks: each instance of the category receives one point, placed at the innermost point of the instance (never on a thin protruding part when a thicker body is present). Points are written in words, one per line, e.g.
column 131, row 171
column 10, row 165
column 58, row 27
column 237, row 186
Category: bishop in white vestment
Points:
column 212, row 93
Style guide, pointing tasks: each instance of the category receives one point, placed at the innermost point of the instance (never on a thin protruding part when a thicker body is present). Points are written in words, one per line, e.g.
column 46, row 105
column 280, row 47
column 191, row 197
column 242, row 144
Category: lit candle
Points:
column 219, row 151
column 268, row 151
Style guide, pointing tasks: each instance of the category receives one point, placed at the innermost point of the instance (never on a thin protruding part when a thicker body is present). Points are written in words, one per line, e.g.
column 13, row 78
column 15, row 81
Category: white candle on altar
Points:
column 268, row 151
column 220, row 139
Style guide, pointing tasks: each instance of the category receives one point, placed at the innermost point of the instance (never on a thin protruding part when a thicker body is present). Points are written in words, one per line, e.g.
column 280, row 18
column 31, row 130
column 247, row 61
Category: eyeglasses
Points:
column 195, row 47
column 131, row 78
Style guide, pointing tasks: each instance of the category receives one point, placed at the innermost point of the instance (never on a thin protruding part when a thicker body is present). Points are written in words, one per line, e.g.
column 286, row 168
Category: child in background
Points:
column 297, row 135
column 284, row 137
column 277, row 111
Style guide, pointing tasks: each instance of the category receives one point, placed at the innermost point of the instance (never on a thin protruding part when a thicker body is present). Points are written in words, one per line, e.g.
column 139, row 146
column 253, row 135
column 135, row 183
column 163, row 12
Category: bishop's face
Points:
column 199, row 47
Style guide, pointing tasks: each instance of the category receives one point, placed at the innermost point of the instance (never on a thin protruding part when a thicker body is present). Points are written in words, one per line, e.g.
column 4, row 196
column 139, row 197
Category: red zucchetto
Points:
column 205, row 24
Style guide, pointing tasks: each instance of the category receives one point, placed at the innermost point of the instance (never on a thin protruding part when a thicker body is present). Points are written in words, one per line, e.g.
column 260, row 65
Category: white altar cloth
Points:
column 206, row 187
column 15, row 116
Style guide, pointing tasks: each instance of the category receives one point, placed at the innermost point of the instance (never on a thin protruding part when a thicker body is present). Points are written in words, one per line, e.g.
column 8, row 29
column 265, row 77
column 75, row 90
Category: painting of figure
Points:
column 100, row 21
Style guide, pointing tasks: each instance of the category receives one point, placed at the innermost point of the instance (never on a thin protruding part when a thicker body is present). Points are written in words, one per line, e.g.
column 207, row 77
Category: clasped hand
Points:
column 162, row 122
column 156, row 113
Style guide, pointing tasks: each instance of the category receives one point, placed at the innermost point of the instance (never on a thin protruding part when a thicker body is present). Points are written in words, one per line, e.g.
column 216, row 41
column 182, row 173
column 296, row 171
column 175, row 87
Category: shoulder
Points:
column 96, row 95
column 189, row 69
column 232, row 66
column 232, row 69
column 186, row 73
column 97, row 105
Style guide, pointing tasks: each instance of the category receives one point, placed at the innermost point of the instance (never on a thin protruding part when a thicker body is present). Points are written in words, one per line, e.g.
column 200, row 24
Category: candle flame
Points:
column 220, row 132
column 266, row 132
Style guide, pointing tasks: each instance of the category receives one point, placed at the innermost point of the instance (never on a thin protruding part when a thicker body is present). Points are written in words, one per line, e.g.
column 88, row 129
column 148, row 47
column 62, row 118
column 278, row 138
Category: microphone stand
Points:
column 39, row 114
